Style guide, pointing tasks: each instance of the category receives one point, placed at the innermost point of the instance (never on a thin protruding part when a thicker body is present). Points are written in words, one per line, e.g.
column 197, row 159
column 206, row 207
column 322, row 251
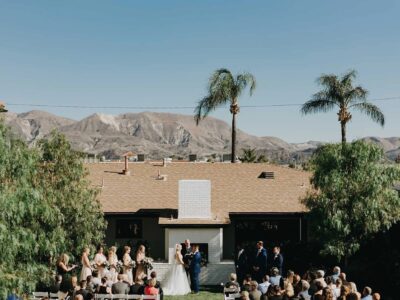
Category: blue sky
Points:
column 161, row 53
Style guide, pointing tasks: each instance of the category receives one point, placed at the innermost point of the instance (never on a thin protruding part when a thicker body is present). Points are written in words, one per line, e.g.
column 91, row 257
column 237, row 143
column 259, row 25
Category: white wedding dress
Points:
column 176, row 281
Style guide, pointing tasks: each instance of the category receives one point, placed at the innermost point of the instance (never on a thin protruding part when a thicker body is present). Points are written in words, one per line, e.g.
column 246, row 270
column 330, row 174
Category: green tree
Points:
column 47, row 207
column 339, row 92
column 262, row 159
column 249, row 155
column 353, row 196
column 225, row 88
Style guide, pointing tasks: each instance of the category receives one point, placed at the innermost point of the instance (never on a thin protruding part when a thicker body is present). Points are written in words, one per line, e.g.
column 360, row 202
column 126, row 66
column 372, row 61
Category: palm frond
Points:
column 202, row 110
column 328, row 80
column 354, row 94
column 245, row 79
column 221, row 81
column 370, row 110
column 347, row 78
column 319, row 103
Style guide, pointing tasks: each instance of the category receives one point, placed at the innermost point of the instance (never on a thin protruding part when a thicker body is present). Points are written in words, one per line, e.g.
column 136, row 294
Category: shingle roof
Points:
column 235, row 188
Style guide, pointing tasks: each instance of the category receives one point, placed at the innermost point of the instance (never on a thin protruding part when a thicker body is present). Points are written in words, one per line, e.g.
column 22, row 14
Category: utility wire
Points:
column 169, row 107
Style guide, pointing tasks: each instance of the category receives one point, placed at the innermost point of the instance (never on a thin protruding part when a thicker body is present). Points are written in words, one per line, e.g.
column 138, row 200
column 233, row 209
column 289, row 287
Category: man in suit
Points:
column 277, row 260
column 260, row 262
column 187, row 255
column 241, row 263
column 120, row 287
column 195, row 269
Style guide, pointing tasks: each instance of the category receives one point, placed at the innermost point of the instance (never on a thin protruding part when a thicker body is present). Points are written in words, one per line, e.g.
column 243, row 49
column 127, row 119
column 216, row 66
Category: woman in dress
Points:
column 113, row 261
column 65, row 271
column 100, row 260
column 141, row 272
column 127, row 264
column 86, row 269
column 177, row 282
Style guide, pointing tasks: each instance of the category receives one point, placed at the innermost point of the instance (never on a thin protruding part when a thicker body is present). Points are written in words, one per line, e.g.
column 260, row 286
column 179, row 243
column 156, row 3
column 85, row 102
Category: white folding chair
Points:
column 235, row 296
column 119, row 296
column 103, row 296
column 53, row 296
column 151, row 297
column 38, row 295
column 133, row 297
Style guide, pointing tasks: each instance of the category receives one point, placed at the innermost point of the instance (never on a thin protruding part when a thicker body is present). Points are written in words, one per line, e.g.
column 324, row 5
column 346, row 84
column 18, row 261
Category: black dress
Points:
column 66, row 283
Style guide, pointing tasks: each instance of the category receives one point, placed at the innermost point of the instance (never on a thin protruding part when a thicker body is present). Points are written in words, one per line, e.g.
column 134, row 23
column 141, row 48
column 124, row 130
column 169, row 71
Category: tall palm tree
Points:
column 225, row 88
column 340, row 92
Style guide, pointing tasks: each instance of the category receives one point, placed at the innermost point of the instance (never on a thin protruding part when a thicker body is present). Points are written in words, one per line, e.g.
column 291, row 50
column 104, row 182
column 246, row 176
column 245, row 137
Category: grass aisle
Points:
column 206, row 293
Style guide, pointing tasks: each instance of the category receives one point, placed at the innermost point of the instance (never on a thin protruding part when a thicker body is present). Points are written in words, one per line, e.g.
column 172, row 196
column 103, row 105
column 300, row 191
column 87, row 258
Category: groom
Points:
column 195, row 268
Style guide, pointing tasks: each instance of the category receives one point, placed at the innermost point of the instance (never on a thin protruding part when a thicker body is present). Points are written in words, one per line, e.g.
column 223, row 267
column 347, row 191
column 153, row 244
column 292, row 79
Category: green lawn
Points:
column 206, row 293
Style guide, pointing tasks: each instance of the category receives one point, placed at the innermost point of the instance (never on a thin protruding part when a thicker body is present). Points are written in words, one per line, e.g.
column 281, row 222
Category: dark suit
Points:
column 136, row 289
column 241, row 265
column 277, row 262
column 120, row 287
column 260, row 262
column 195, row 269
column 187, row 257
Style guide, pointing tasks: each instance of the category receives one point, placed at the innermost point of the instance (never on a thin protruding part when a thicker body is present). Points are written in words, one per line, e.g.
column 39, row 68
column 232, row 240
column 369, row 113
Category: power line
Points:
column 169, row 107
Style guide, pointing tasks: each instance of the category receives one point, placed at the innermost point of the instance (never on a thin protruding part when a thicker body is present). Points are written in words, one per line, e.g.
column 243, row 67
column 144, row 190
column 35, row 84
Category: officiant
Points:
column 187, row 255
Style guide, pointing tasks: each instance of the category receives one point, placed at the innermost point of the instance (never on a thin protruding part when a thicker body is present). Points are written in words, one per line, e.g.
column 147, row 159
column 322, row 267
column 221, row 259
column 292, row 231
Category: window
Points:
column 129, row 229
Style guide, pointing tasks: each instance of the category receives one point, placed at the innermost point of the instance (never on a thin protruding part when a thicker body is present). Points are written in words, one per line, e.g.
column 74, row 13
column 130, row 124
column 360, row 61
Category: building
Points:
column 216, row 205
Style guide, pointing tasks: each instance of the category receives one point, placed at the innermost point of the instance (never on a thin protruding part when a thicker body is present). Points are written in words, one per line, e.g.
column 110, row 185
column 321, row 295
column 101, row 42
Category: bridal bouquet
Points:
column 118, row 266
column 131, row 264
column 148, row 263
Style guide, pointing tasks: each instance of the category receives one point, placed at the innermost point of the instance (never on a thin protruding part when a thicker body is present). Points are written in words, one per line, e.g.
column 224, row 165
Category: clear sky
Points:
column 161, row 53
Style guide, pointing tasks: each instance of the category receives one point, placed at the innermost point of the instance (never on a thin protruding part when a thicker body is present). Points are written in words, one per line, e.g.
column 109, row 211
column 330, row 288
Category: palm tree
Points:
column 340, row 92
column 225, row 88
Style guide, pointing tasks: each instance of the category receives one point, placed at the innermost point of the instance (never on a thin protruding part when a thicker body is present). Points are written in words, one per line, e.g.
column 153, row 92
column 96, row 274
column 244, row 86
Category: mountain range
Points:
column 159, row 135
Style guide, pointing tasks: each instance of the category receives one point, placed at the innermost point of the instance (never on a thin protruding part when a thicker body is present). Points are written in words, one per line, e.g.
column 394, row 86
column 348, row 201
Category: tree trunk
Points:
column 343, row 127
column 233, row 149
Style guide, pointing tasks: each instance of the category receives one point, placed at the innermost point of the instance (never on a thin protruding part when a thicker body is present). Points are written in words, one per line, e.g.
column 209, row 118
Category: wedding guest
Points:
column 276, row 278
column 81, row 289
column 246, row 282
column 254, row 293
column 86, row 269
column 327, row 294
column 336, row 291
column 64, row 270
column 96, row 281
column 136, row 289
column 344, row 291
column 330, row 283
column 320, row 278
column 141, row 272
column 120, row 287
column 113, row 261
column 343, row 277
column 100, row 261
column 335, row 273
column 263, row 287
column 232, row 283
column 352, row 296
column 275, row 293
column 376, row 296
column 288, row 284
column 55, row 287
column 353, row 287
column 241, row 263
column 318, row 294
column 127, row 263
column 103, row 288
column 78, row 297
column 74, row 287
column 260, row 262
column 244, row 295
column 277, row 260
column 151, row 289
column 367, row 293
column 304, row 290
column 153, row 275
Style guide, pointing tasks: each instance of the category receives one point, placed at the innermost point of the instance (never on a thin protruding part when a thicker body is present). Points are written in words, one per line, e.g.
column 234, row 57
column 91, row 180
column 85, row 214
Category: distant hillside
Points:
column 161, row 135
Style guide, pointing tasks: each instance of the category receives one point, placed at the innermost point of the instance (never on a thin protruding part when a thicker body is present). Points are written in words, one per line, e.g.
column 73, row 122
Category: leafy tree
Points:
column 46, row 208
column 339, row 92
column 249, row 155
column 225, row 88
column 262, row 159
column 353, row 196
column 397, row 159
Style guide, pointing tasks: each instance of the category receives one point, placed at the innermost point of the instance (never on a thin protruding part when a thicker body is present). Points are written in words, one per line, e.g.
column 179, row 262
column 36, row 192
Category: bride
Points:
column 176, row 282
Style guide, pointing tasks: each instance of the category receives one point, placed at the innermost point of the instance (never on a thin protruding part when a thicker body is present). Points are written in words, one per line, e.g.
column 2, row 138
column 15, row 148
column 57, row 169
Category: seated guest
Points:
column 327, row 294
column 353, row 287
column 95, row 279
column 153, row 274
column 352, row 296
column 81, row 290
column 246, row 283
column 336, row 291
column 376, row 296
column 120, row 287
column 244, row 295
column 318, row 294
column 296, row 284
column 103, row 288
column 304, row 290
column 274, row 293
column 78, row 297
column 254, row 293
column 343, row 276
column 232, row 283
column 287, row 285
column 151, row 289
column 367, row 293
column 275, row 278
column 335, row 273
column 89, row 284
column 55, row 287
column 320, row 277
column 344, row 291
column 263, row 287
column 136, row 289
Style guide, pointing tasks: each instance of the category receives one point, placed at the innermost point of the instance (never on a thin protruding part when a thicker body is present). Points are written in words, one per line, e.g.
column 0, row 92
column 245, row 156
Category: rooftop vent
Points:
column 267, row 175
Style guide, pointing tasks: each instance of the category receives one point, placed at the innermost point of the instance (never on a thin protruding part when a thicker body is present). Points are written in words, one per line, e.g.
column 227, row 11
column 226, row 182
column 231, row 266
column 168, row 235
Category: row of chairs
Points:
column 53, row 296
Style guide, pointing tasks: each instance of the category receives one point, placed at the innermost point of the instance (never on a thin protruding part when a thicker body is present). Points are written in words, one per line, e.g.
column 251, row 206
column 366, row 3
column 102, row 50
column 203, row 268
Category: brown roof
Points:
column 235, row 188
